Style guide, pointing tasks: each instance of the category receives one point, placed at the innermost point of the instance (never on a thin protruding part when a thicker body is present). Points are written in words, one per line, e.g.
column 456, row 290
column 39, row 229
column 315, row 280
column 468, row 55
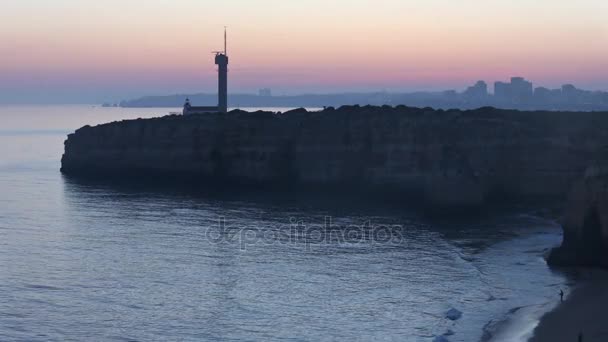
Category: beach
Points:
column 583, row 311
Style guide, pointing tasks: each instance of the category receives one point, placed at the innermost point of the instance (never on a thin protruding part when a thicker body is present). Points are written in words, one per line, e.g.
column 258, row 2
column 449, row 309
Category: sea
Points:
column 101, row 261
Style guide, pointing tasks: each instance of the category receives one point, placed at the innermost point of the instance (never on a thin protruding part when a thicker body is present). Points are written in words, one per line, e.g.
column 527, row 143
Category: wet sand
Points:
column 583, row 311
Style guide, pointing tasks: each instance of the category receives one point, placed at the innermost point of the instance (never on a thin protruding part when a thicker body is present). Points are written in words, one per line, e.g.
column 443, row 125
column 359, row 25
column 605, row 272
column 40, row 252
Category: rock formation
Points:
column 450, row 158
column 585, row 223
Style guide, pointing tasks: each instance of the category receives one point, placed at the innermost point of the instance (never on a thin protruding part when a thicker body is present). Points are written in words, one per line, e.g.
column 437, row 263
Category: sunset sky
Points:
column 82, row 50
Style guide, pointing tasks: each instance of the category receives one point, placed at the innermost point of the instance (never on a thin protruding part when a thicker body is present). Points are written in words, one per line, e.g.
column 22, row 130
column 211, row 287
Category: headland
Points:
column 448, row 158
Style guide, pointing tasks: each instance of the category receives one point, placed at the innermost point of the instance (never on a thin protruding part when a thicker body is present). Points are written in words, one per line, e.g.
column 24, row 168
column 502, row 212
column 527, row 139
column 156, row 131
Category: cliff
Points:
column 585, row 223
column 449, row 158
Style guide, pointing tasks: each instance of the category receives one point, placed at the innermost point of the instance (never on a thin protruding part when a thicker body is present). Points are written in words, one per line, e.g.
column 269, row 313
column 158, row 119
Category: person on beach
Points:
column 580, row 337
column 561, row 295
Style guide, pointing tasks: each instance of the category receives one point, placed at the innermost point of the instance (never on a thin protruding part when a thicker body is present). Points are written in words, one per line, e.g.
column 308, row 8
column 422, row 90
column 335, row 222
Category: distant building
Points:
column 189, row 109
column 502, row 90
column 521, row 90
column 478, row 91
column 542, row 95
column 569, row 92
column 568, row 89
column 266, row 92
column 517, row 92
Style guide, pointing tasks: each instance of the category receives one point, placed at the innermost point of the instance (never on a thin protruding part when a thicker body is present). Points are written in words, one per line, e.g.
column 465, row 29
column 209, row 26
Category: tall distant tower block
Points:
column 221, row 59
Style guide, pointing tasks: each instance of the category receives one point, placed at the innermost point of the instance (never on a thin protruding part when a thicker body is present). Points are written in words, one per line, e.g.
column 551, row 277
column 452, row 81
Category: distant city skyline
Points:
column 517, row 93
column 69, row 51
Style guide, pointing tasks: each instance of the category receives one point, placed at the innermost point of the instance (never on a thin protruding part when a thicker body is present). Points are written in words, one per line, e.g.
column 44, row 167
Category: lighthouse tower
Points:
column 221, row 59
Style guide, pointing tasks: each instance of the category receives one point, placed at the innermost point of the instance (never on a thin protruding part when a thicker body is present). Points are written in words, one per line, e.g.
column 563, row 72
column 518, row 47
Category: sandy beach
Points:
column 583, row 311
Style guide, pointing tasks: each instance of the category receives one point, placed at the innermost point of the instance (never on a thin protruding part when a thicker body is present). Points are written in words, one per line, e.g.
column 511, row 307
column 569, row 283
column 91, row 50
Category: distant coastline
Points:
column 519, row 94
column 435, row 100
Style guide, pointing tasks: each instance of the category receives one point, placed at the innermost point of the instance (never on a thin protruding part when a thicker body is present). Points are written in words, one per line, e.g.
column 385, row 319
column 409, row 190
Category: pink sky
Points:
column 129, row 48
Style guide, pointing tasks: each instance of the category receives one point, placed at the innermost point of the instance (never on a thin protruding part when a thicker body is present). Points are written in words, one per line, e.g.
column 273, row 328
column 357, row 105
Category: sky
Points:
column 71, row 51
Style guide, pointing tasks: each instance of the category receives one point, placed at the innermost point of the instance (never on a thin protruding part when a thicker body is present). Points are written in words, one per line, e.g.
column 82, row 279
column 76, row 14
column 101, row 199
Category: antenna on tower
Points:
column 225, row 42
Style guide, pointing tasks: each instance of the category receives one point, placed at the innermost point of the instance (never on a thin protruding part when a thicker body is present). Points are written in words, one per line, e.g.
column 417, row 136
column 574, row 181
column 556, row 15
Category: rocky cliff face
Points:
column 585, row 223
column 448, row 157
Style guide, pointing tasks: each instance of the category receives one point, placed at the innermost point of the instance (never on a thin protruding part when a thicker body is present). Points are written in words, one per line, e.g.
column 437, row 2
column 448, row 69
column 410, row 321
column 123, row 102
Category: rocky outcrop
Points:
column 451, row 158
column 585, row 223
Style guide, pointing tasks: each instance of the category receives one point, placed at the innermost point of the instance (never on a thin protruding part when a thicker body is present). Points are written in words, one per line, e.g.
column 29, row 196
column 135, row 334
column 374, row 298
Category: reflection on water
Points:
column 86, row 260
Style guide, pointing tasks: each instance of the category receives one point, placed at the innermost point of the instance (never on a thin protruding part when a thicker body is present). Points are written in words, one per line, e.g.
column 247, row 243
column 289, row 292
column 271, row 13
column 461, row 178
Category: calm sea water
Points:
column 105, row 262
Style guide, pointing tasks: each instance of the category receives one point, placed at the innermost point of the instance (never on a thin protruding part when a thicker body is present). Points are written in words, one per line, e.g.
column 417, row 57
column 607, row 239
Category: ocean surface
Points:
column 96, row 261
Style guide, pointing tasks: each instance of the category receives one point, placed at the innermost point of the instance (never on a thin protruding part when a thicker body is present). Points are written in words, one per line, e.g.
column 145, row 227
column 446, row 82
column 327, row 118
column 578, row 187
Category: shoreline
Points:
column 517, row 324
column 583, row 311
